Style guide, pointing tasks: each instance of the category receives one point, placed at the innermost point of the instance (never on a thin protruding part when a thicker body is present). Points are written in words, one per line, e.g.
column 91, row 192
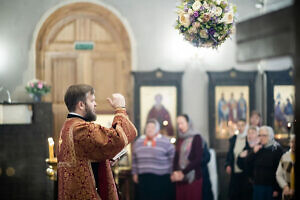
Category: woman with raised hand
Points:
column 264, row 159
column 252, row 140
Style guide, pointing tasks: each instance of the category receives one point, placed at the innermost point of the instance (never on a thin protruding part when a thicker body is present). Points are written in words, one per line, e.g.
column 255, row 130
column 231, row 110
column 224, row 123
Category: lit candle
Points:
column 51, row 145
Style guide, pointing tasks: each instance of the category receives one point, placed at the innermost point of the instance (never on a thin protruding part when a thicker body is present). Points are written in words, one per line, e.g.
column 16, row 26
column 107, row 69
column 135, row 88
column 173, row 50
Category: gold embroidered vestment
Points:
column 82, row 142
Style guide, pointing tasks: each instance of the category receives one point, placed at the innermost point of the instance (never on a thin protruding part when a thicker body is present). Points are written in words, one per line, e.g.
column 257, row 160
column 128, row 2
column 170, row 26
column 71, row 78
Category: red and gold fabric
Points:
column 82, row 142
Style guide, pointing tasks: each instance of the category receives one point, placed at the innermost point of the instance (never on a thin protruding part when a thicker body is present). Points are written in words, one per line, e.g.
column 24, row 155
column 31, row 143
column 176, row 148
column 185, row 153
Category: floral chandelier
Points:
column 206, row 23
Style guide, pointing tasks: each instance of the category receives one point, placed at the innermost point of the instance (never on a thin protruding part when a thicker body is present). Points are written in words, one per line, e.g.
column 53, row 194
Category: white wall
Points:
column 156, row 44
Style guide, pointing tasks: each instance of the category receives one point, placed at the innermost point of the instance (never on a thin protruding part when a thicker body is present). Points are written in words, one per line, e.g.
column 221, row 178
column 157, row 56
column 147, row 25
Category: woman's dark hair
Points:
column 255, row 112
column 76, row 93
column 187, row 118
column 243, row 120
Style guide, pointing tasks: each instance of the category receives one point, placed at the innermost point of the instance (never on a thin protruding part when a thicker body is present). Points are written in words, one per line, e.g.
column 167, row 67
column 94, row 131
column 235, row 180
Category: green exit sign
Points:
column 84, row 45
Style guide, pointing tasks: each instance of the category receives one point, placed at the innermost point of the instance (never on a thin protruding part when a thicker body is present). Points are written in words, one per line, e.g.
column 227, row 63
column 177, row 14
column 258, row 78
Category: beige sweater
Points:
column 284, row 170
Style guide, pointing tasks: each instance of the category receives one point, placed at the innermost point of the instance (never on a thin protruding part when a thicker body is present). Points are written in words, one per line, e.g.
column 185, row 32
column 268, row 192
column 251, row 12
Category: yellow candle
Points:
column 51, row 151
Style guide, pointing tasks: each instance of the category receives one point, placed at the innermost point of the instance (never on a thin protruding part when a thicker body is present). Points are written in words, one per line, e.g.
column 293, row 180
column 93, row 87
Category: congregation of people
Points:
column 256, row 163
column 258, row 167
column 164, row 171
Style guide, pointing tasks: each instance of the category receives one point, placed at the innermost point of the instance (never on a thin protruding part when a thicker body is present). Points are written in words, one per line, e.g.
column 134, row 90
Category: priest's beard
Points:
column 89, row 115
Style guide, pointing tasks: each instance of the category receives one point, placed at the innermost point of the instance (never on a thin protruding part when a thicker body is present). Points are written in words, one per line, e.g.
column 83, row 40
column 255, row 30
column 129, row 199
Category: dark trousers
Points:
column 240, row 187
column 264, row 192
column 155, row 187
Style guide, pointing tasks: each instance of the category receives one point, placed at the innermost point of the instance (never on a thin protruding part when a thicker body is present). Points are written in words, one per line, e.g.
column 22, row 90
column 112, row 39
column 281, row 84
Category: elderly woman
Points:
column 252, row 139
column 264, row 159
column 152, row 160
column 285, row 173
column 187, row 162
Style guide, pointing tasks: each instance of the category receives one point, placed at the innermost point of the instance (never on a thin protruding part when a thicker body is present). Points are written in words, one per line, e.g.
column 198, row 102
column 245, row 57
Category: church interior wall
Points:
column 156, row 44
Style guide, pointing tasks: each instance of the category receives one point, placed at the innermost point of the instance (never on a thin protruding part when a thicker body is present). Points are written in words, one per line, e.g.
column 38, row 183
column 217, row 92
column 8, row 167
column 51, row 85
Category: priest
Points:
column 81, row 142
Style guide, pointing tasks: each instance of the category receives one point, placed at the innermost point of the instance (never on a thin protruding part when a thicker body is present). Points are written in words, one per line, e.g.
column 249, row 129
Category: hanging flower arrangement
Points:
column 206, row 23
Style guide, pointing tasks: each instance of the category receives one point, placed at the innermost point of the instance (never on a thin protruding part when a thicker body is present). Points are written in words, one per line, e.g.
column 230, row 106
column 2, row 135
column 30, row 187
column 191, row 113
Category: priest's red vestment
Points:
column 82, row 142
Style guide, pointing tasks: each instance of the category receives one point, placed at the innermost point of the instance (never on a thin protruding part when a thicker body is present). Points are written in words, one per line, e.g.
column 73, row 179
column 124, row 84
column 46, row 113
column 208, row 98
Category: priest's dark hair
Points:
column 76, row 93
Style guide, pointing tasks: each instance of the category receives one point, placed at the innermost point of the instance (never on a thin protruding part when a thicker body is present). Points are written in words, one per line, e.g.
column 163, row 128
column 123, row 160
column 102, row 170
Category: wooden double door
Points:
column 106, row 65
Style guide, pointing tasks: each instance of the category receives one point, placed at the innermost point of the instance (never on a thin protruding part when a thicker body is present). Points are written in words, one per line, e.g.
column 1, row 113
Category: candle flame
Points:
column 50, row 140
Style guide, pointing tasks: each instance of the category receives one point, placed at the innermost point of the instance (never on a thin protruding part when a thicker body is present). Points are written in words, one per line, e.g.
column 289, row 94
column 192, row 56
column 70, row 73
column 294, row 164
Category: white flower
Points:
column 196, row 5
column 208, row 44
column 212, row 10
column 203, row 34
column 196, row 24
column 205, row 5
column 233, row 30
column 218, row 2
column 180, row 12
column 192, row 30
column 216, row 34
column 228, row 18
column 218, row 11
column 190, row 11
column 184, row 19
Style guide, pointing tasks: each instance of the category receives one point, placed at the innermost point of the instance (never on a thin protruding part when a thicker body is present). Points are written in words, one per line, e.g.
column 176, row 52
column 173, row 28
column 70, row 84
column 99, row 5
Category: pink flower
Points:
column 40, row 85
column 31, row 85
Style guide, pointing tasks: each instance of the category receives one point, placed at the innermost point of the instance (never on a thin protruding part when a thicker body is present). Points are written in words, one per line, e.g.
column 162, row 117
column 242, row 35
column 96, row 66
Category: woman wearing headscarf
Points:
column 187, row 161
column 264, row 160
column 252, row 139
column 237, row 176
column 152, row 161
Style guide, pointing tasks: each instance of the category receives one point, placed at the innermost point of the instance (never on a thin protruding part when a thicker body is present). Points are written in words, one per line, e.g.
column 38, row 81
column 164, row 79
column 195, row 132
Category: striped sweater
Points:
column 155, row 160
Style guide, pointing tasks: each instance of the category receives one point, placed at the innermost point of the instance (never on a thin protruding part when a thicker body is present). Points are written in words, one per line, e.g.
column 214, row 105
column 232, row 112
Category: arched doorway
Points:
column 83, row 43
